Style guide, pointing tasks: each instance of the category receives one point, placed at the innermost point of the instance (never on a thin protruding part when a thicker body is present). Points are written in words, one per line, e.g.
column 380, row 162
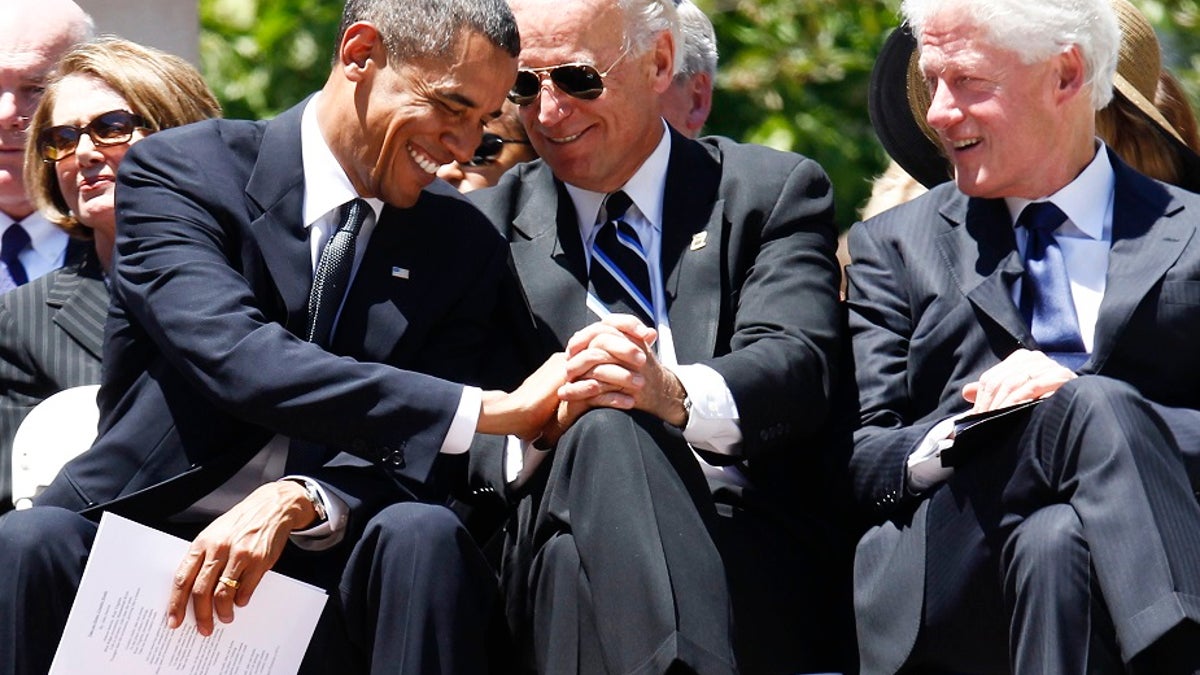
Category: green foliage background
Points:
column 793, row 73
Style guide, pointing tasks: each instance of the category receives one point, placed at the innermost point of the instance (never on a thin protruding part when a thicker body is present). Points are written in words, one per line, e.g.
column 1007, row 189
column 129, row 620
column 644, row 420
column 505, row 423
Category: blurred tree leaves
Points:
column 793, row 73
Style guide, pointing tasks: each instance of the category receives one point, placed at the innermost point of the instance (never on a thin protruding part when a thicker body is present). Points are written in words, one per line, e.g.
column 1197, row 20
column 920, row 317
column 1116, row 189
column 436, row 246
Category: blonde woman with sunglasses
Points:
column 105, row 96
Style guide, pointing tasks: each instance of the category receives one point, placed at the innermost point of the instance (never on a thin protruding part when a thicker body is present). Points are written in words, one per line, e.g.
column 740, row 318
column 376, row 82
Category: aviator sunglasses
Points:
column 490, row 147
column 111, row 128
column 580, row 80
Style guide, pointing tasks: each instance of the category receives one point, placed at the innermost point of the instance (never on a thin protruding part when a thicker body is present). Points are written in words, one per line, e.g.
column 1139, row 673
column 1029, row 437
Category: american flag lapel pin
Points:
column 400, row 272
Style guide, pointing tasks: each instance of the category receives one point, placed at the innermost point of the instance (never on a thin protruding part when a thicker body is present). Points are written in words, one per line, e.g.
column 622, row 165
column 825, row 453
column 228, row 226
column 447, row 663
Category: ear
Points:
column 664, row 61
column 701, row 97
column 1071, row 73
column 360, row 48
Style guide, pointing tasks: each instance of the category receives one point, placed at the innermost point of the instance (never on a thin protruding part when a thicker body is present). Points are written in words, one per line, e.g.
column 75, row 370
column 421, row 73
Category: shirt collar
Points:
column 45, row 238
column 645, row 189
column 1085, row 200
column 326, row 185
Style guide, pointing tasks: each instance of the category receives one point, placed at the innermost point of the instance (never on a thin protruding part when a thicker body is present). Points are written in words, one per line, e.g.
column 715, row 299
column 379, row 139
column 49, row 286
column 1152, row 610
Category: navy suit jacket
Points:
column 750, row 283
column 931, row 309
column 203, row 363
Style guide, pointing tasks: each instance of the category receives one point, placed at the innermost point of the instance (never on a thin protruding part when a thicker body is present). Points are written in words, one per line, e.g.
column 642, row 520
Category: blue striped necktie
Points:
column 619, row 278
column 1046, row 300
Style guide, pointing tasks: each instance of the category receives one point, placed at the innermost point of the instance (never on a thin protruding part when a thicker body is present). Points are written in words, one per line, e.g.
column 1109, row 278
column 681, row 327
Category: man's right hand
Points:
column 1023, row 376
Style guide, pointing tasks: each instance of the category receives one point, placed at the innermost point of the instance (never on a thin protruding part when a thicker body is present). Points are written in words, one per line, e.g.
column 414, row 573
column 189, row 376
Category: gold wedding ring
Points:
column 231, row 583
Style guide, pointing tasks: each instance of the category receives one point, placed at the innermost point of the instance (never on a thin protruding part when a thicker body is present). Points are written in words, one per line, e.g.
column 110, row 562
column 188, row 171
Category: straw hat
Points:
column 898, row 99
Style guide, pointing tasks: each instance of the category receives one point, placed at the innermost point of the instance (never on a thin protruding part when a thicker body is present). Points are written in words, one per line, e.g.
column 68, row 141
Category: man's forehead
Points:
column 30, row 54
column 572, row 32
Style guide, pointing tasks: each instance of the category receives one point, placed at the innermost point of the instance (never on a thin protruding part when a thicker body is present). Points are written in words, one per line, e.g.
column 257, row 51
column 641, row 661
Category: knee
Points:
column 414, row 521
column 1089, row 393
column 38, row 541
column 1049, row 539
column 598, row 424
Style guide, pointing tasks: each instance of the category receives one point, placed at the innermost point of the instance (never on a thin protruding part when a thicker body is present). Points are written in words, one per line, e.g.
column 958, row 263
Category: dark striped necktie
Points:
column 1046, row 300
column 15, row 240
column 619, row 278
column 332, row 275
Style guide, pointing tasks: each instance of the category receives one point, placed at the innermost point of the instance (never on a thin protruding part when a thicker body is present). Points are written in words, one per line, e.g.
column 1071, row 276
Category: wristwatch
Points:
column 314, row 497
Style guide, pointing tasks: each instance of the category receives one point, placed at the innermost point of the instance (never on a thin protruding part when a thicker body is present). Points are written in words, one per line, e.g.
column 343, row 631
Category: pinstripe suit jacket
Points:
column 931, row 308
column 51, row 331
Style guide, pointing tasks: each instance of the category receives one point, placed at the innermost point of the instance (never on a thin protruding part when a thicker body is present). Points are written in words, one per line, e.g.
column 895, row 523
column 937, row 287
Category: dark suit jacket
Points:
column 931, row 309
column 202, row 360
column 757, row 302
column 51, row 331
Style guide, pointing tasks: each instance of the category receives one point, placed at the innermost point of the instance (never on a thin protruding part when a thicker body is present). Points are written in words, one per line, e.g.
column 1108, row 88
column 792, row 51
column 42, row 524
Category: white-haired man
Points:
column 633, row 554
column 33, row 35
column 688, row 101
column 1067, row 539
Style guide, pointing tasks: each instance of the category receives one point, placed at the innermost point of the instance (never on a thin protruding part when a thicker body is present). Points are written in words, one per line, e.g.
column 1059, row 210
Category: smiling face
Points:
column 1011, row 129
column 88, row 177
column 408, row 119
column 594, row 144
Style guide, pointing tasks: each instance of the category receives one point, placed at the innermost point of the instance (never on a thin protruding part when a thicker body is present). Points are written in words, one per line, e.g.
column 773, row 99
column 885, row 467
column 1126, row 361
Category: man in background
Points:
column 688, row 101
column 33, row 35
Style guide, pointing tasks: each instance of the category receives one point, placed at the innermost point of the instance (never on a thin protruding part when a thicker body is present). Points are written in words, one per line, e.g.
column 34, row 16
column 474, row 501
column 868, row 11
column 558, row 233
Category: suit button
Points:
column 396, row 459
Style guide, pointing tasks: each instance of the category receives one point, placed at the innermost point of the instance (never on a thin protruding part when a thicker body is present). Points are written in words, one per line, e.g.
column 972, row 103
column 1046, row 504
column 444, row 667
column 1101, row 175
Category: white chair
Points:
column 55, row 431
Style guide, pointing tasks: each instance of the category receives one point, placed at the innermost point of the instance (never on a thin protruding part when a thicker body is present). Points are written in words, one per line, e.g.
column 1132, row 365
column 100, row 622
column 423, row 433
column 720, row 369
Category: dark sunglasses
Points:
column 490, row 147
column 111, row 128
column 580, row 80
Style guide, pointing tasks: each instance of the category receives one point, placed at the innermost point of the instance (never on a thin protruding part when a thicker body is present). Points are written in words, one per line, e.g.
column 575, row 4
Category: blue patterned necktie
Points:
column 619, row 278
column 332, row 275
column 14, row 241
column 1046, row 300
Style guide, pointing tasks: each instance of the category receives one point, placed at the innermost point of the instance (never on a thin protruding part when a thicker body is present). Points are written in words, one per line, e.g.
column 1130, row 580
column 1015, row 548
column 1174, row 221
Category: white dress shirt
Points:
column 326, row 189
column 47, row 249
column 713, row 423
column 1085, row 239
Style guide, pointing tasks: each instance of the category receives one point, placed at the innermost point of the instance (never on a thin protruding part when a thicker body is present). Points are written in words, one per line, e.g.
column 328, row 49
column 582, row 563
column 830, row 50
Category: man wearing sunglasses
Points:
column 677, row 524
column 277, row 286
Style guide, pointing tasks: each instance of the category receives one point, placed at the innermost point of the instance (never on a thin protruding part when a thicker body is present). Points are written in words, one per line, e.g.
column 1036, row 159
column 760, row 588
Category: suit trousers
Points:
column 636, row 565
column 412, row 594
column 1076, row 538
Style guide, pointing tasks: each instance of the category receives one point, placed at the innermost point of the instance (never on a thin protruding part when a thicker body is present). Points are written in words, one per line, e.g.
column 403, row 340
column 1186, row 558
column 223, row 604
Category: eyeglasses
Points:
column 111, row 128
column 580, row 80
column 490, row 147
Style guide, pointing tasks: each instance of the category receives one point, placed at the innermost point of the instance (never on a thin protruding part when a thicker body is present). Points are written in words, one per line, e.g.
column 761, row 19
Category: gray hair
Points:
column 698, row 53
column 412, row 29
column 645, row 20
column 1039, row 30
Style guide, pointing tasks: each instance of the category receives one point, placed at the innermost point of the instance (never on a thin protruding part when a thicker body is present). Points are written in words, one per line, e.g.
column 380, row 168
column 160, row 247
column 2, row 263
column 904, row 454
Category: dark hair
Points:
column 413, row 29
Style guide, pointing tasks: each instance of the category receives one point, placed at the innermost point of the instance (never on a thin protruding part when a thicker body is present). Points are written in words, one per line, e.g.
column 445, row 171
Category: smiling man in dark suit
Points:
column 1067, row 541
column 667, row 530
column 277, row 287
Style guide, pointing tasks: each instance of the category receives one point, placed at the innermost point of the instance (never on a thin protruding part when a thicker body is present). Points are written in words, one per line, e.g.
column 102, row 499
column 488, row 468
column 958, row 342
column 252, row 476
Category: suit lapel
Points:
column 694, row 232
column 82, row 301
column 277, row 187
column 980, row 250
column 1147, row 240
column 548, row 254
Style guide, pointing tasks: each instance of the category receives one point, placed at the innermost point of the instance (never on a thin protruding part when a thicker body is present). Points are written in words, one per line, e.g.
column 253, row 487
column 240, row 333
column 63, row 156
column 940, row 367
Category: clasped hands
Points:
column 610, row 363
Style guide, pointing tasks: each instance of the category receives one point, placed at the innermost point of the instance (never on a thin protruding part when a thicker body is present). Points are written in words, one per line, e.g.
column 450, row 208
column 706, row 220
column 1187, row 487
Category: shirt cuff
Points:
column 713, row 423
column 462, row 429
column 329, row 533
column 925, row 462
column 521, row 459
